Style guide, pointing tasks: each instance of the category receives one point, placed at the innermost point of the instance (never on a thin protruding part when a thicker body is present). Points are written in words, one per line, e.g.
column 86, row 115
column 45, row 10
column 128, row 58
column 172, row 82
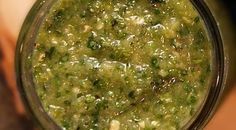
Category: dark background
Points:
column 231, row 5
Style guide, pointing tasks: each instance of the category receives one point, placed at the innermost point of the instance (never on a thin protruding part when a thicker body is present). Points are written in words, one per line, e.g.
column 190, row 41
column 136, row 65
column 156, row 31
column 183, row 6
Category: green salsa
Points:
column 122, row 64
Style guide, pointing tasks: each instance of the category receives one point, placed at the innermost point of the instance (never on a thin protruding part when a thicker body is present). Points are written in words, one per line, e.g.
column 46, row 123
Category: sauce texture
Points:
column 122, row 64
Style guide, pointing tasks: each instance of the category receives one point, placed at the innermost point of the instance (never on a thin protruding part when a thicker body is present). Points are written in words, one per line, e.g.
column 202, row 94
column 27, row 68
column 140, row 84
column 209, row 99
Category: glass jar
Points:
column 219, row 32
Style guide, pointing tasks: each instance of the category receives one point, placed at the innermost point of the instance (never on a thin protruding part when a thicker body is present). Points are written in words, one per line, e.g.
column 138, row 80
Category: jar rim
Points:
column 33, row 104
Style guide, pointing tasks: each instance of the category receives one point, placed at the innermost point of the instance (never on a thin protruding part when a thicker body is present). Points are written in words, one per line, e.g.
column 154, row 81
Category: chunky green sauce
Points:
column 122, row 64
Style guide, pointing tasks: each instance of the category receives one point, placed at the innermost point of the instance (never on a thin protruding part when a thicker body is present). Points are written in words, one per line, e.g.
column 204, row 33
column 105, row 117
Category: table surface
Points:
column 12, row 14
